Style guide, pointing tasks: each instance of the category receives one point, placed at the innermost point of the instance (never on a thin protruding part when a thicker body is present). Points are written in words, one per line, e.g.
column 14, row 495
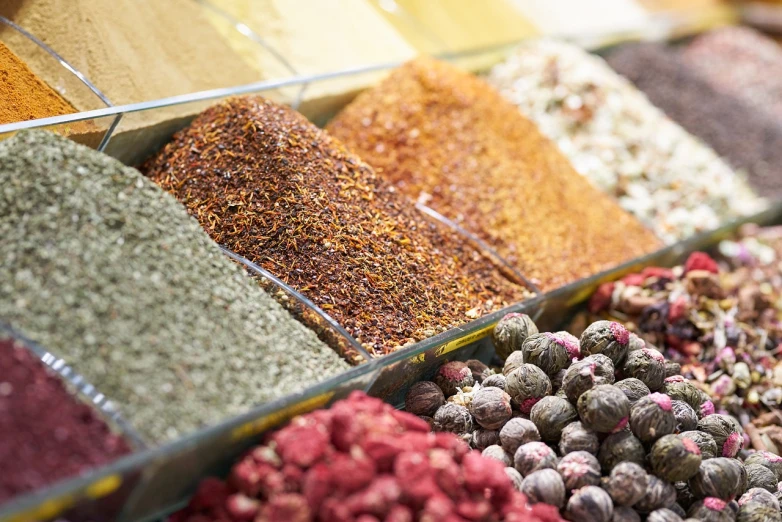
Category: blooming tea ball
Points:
column 680, row 389
column 759, row 476
column 515, row 477
column 620, row 447
column 626, row 484
column 544, row 486
column 579, row 469
column 604, row 408
column 453, row 418
column 589, row 503
column 720, row 477
column 726, row 433
column 659, row 495
column 496, row 380
column 498, row 453
column 482, row 439
column 767, row 459
column 647, row 365
column 633, row 389
column 491, row 407
column 686, row 418
column 705, row 443
column 551, row 414
column 625, row 514
column 675, row 458
column 549, row 351
column 479, row 370
column 452, row 376
column 424, row 398
column 511, row 332
column 758, row 512
column 652, row 417
column 663, row 515
column 526, row 385
column 534, row 456
column 759, row 495
column 608, row 338
column 672, row 368
column 586, row 374
column 513, row 361
column 575, row 437
column 517, row 432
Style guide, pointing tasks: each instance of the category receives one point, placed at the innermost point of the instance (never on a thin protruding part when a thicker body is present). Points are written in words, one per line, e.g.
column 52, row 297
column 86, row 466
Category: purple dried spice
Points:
column 424, row 398
column 663, row 515
column 704, row 441
column 625, row 514
column 497, row 380
column 497, row 453
column 659, row 495
column 511, row 332
column 720, row 477
column 686, row 418
column 479, row 370
column 547, row 351
column 482, row 439
column 608, row 338
column 646, row 365
column 453, row 418
column 604, row 409
column 586, row 374
column 551, row 414
column 759, row 476
column 620, row 447
column 514, row 360
column 675, row 458
column 633, row 389
column 626, row 484
column 726, row 433
column 652, row 417
column 515, row 477
column 491, row 408
column 518, row 432
column 526, row 385
column 760, row 495
column 767, row 459
column 452, row 376
column 589, row 503
column 575, row 437
column 544, row 486
column 579, row 469
column 534, row 456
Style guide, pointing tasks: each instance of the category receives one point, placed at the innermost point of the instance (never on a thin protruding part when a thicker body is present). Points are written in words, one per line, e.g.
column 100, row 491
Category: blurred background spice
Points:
column 448, row 139
column 111, row 274
column 269, row 185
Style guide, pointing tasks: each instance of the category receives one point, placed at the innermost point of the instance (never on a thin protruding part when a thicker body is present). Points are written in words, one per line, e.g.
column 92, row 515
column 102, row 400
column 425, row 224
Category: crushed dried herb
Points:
column 447, row 138
column 274, row 188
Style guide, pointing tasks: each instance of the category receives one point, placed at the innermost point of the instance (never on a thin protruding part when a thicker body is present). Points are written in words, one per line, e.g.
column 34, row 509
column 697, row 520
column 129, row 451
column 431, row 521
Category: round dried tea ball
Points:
column 608, row 338
column 705, row 443
column 517, row 432
column 453, row 418
column 652, row 417
column 513, row 361
column 515, row 477
column 589, row 503
column 497, row 380
column 556, row 381
column 659, row 494
column 686, row 418
column 452, row 376
column 757, row 512
column 646, row 365
column 551, row 414
column 675, row 458
column 479, row 370
column 712, row 509
column 482, row 439
column 719, row 477
column 633, row 389
column 575, row 437
column 544, row 486
column 663, row 515
column 491, row 408
column 511, row 332
column 635, row 343
column 604, row 408
column 759, row 476
column 625, row 514
column 620, row 447
column 680, row 389
column 534, row 456
column 546, row 351
column 767, row 459
column 759, row 495
column 672, row 368
column 579, row 469
column 526, row 385
column 726, row 433
column 626, row 484
column 498, row 453
column 586, row 374
column 424, row 398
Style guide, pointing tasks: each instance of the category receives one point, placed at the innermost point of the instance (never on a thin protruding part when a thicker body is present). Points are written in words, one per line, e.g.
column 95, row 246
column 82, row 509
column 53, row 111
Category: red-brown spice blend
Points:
column 449, row 138
column 274, row 188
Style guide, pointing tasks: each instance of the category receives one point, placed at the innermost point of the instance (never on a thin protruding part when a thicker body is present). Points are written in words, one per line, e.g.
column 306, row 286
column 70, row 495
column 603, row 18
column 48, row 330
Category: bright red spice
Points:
column 47, row 435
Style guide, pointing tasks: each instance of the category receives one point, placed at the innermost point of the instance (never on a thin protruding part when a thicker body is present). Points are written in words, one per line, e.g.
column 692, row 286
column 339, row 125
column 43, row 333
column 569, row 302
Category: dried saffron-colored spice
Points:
column 277, row 190
column 447, row 137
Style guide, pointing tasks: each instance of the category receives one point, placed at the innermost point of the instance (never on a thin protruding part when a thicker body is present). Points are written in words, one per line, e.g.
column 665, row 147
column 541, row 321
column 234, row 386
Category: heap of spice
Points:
column 448, row 139
column 362, row 461
column 272, row 187
column 596, row 451
column 622, row 143
column 110, row 273
column 715, row 117
column 48, row 433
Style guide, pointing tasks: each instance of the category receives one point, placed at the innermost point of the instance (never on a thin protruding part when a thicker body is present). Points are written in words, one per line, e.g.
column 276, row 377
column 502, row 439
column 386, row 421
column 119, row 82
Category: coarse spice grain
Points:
column 267, row 184
column 111, row 274
column 447, row 138
column 48, row 434
column 623, row 144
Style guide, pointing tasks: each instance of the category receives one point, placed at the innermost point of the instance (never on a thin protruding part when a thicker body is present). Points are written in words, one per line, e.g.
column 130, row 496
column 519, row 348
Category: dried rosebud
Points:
column 453, row 375
column 482, row 439
column 626, row 484
column 544, row 486
column 514, row 360
column 534, row 456
column 675, row 458
column 478, row 369
column 760, row 495
column 608, row 338
column 590, row 503
column 424, row 398
column 497, row 380
column 652, row 417
column 604, row 409
column 646, row 365
column 663, row 515
column 672, row 368
column 491, row 408
column 586, row 374
column 719, row 477
column 705, row 443
column 575, row 437
column 680, row 389
column 726, row 432
column 701, row 261
column 757, row 512
column 515, row 477
column 511, row 332
column 517, row 432
column 497, row 453
column 579, row 469
column 633, row 389
column 526, row 385
column 551, row 352
column 767, row 459
column 659, row 495
column 453, row 418
column 551, row 415
column 620, row 447
column 759, row 476
column 686, row 418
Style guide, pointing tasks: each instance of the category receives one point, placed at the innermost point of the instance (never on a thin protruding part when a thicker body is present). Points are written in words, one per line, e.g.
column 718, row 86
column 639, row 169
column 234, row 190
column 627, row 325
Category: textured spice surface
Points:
column 48, row 434
column 277, row 190
column 110, row 273
column 449, row 139
column 715, row 117
column 621, row 142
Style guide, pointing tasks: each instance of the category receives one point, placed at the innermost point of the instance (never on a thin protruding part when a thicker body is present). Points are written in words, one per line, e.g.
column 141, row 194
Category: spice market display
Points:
column 449, row 140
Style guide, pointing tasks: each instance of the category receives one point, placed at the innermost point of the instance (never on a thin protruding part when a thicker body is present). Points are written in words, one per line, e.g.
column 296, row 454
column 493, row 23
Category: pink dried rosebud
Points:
column 410, row 422
column 677, row 309
column 481, row 474
column 474, row 509
column 302, row 445
column 316, row 486
column 400, row 513
column 246, row 477
column 242, row 507
column 287, row 507
column 701, row 261
column 452, row 376
column 210, row 494
column 350, row 473
column 378, row 498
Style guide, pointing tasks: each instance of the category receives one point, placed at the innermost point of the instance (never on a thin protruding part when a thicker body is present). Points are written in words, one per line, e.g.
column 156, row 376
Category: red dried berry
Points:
column 302, row 445
column 634, row 279
column 350, row 473
column 241, row 507
column 658, row 272
column 316, row 486
column 400, row 513
column 245, row 477
column 701, row 261
column 288, row 507
column 378, row 498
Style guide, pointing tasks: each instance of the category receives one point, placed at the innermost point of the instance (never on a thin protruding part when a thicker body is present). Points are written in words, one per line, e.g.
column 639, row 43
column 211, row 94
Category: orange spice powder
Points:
column 448, row 138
